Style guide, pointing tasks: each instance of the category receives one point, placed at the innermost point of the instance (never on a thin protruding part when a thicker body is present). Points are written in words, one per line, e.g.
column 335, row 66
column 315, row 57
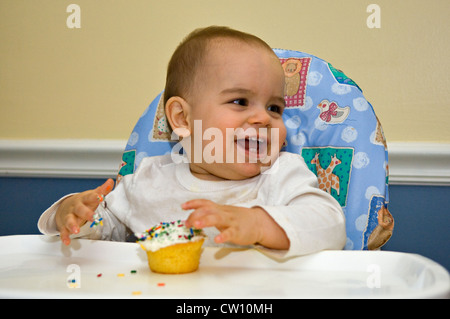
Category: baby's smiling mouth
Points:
column 253, row 146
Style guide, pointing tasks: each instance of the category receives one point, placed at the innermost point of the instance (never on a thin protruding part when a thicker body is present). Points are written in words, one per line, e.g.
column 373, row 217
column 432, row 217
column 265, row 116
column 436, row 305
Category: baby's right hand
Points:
column 75, row 210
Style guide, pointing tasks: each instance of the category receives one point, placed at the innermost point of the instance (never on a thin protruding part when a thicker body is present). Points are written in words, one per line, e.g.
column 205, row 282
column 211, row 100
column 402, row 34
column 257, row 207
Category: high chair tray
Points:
column 34, row 266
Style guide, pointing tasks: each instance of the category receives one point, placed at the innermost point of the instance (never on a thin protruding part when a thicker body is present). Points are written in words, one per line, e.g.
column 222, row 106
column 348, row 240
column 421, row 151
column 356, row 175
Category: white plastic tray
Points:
column 41, row 267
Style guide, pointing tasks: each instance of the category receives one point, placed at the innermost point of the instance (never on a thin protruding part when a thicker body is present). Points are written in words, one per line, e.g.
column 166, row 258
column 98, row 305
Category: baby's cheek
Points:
column 279, row 134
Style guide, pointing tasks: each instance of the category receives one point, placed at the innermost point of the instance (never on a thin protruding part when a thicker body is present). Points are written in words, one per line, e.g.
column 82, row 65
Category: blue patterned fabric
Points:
column 328, row 122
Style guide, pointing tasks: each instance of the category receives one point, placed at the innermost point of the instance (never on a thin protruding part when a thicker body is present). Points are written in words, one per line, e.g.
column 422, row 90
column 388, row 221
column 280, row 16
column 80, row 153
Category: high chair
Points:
column 328, row 122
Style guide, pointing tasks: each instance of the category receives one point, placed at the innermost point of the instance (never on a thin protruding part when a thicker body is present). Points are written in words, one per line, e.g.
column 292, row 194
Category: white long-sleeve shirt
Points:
column 311, row 218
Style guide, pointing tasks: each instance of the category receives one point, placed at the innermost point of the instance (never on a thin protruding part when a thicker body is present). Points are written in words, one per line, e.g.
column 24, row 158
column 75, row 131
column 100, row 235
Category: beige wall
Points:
column 94, row 82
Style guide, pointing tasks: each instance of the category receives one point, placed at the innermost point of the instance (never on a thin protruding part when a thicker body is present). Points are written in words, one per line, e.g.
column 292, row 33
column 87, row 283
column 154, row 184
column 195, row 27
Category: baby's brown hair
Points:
column 189, row 55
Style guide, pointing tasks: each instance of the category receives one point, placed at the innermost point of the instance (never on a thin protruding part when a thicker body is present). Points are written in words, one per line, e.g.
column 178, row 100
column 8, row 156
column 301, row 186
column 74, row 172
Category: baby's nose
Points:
column 259, row 117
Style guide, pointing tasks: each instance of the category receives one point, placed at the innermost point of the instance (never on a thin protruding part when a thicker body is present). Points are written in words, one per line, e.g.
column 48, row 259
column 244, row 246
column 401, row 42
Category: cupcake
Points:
column 172, row 248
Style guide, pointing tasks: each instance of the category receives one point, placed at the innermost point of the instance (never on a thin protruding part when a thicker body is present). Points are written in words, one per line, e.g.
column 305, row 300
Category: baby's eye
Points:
column 275, row 108
column 242, row 102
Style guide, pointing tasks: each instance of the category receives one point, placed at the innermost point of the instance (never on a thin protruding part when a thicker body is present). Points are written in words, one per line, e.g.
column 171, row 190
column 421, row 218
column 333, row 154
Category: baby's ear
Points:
column 177, row 114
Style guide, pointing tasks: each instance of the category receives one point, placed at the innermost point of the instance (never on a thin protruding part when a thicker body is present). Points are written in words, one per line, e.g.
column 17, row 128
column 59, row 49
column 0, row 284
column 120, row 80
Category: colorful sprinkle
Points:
column 160, row 231
column 120, row 275
column 99, row 275
column 136, row 293
column 98, row 220
column 161, row 284
column 72, row 283
column 133, row 271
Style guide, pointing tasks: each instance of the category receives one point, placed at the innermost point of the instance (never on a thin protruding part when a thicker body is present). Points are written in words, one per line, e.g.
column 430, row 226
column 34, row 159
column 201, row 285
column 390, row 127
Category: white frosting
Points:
column 167, row 234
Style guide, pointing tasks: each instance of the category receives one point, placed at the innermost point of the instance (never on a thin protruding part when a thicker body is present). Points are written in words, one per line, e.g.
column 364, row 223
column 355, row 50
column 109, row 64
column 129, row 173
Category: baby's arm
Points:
column 75, row 210
column 238, row 225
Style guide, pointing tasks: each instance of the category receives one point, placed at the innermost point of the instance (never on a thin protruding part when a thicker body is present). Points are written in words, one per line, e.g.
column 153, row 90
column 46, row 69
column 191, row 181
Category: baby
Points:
column 224, row 99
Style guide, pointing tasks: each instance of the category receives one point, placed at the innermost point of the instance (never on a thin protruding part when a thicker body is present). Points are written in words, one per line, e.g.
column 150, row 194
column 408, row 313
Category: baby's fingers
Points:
column 65, row 236
column 106, row 188
column 70, row 227
column 198, row 203
column 228, row 235
column 94, row 197
column 206, row 214
column 202, row 219
column 85, row 212
column 90, row 200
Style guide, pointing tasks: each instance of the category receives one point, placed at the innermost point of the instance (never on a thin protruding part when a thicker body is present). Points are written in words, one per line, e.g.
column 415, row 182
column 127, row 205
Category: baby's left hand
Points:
column 238, row 225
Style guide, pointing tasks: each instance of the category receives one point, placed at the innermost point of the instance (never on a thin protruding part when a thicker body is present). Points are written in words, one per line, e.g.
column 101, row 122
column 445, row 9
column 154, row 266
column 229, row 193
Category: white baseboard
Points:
column 409, row 163
column 419, row 163
column 61, row 158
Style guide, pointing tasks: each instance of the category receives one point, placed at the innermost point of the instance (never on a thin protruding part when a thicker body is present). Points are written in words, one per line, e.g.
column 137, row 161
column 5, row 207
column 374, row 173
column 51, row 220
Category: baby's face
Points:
column 238, row 99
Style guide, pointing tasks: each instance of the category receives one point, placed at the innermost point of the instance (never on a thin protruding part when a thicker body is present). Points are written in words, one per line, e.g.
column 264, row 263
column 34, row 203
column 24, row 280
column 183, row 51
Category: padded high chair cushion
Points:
column 328, row 122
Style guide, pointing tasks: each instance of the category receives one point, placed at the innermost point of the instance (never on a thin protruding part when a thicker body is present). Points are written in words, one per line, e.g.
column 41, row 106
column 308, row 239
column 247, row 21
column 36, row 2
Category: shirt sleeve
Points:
column 311, row 218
